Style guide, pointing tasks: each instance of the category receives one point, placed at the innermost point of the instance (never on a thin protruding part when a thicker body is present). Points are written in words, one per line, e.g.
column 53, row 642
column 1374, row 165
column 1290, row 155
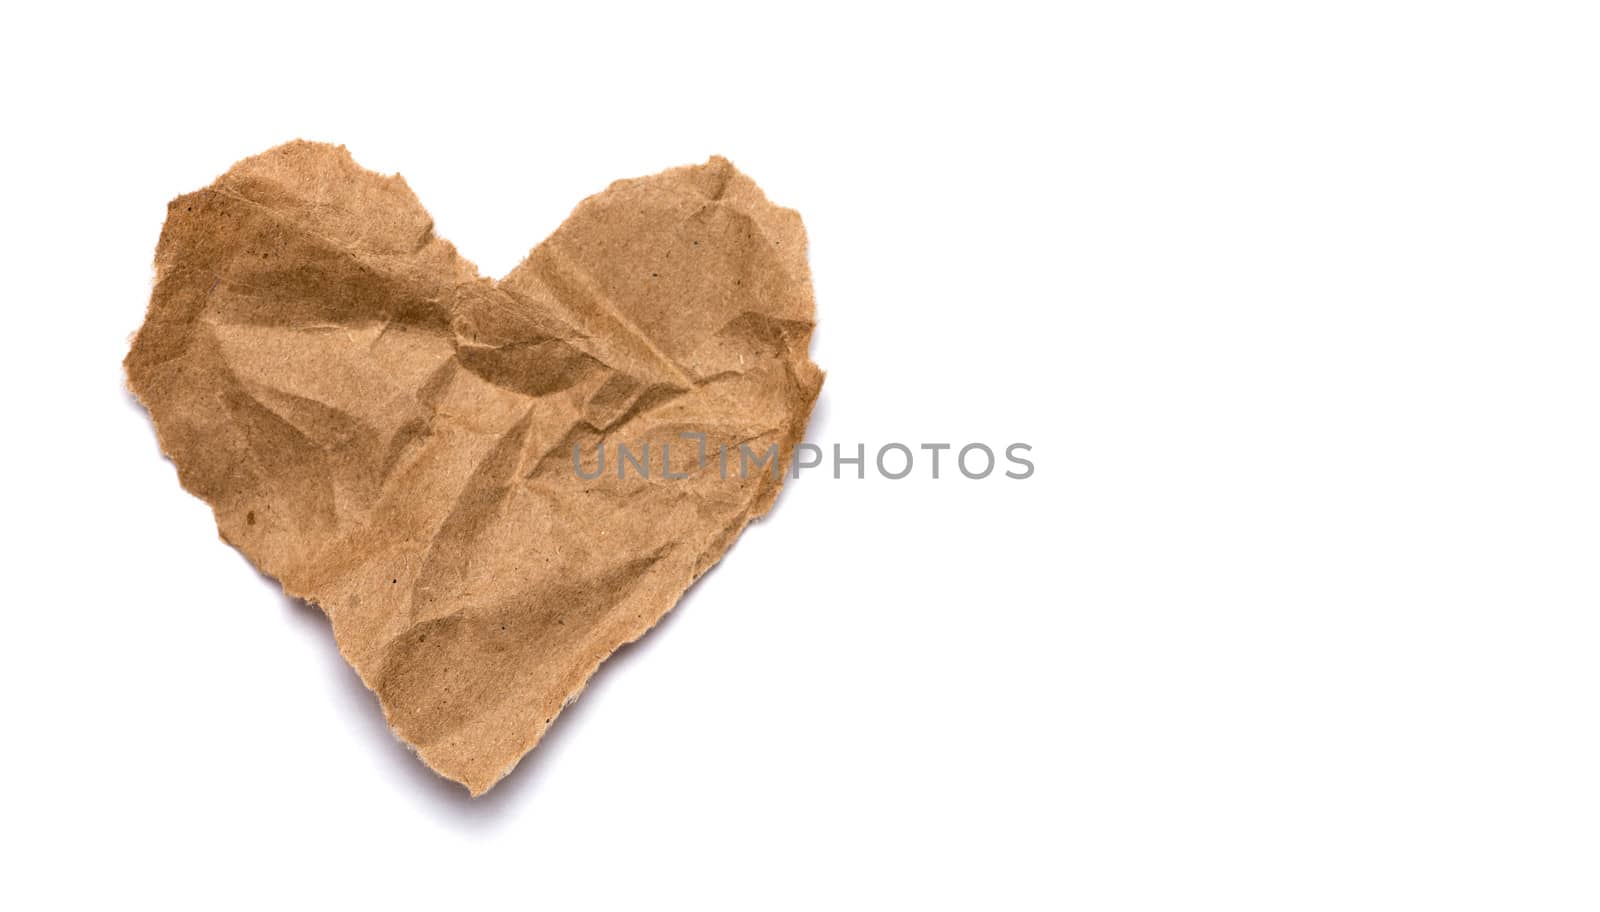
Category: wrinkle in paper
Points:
column 391, row 435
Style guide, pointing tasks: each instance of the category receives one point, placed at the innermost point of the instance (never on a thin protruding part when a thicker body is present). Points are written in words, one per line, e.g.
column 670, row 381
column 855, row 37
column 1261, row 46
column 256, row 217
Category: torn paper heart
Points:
column 392, row 436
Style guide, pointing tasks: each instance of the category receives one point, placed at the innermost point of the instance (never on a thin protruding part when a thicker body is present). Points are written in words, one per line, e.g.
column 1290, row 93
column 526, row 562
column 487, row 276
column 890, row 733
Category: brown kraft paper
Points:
column 399, row 440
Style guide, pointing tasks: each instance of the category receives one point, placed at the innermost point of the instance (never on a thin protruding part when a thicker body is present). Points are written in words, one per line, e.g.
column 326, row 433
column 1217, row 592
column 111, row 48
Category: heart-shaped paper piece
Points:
column 393, row 437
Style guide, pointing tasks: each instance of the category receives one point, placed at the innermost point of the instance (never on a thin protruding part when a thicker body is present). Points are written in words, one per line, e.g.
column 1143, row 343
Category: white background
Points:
column 1296, row 303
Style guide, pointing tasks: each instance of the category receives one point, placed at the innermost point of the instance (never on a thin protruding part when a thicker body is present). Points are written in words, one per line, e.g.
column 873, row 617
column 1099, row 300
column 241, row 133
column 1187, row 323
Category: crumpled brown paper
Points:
column 392, row 436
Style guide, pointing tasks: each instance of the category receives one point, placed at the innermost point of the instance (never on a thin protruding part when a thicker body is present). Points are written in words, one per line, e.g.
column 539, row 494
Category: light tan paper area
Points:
column 391, row 436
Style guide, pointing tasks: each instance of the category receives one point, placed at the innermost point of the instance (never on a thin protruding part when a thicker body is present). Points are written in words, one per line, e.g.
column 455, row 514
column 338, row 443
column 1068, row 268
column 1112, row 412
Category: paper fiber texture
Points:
column 392, row 436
